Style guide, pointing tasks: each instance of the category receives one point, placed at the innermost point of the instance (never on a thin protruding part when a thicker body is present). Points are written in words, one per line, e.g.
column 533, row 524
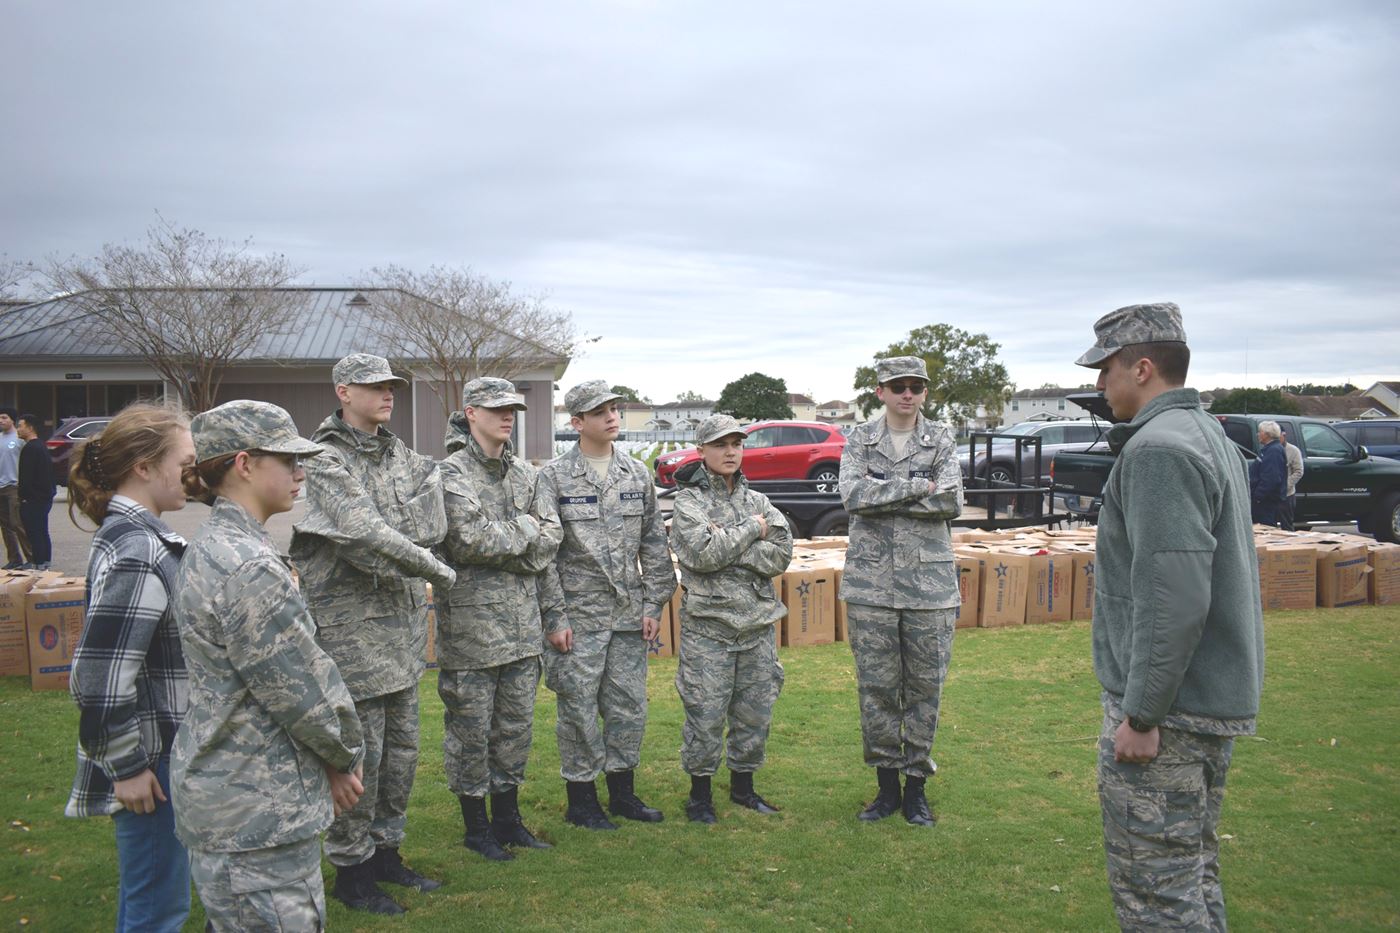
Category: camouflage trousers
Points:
column 717, row 682
column 901, row 661
column 1159, row 822
column 605, row 674
column 488, row 718
column 390, row 725
column 262, row 890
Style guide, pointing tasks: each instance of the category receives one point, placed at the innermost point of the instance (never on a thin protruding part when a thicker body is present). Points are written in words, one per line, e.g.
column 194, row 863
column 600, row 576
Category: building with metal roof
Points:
column 60, row 359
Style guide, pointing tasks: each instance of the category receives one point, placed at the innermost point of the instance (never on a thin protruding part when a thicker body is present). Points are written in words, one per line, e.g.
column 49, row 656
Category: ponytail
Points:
column 140, row 433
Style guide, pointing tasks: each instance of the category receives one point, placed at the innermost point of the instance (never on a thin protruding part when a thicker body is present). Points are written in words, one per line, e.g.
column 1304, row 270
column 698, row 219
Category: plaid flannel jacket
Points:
column 128, row 674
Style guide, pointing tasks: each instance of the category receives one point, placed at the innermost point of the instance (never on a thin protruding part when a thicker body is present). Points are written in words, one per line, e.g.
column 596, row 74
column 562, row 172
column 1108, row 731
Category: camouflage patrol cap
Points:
column 587, row 396
column 1157, row 323
column 490, row 392
column 364, row 369
column 247, row 425
column 717, row 426
column 900, row 367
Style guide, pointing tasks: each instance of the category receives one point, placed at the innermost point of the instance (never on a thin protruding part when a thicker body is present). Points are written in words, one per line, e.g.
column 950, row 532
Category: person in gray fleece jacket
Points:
column 1178, row 628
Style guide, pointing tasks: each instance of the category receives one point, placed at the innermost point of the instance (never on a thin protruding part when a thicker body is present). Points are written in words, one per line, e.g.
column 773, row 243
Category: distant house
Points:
column 803, row 408
column 840, row 413
column 680, row 416
column 1349, row 407
column 58, row 360
column 1048, row 403
column 1388, row 394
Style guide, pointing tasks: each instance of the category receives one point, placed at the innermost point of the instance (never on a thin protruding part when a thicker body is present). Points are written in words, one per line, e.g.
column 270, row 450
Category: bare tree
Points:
column 448, row 325
column 12, row 273
column 185, row 303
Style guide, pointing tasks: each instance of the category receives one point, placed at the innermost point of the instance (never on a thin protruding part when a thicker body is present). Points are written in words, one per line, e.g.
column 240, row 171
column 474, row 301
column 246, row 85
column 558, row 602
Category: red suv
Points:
column 776, row 450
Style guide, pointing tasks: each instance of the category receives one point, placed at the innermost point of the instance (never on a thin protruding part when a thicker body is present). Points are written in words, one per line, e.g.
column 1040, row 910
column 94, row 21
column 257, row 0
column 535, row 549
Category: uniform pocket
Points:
column 578, row 509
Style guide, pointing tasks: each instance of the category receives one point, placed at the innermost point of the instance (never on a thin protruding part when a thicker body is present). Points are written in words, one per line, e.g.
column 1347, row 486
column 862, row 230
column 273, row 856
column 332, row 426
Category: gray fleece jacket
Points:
column 1178, row 627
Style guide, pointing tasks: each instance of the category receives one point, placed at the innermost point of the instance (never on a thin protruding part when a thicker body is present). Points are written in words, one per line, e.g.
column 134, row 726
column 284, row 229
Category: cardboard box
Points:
column 1342, row 569
column 1005, row 578
column 1384, row 582
column 664, row 644
column 14, row 638
column 53, row 611
column 809, row 591
column 1261, row 551
column 969, row 591
column 1082, row 567
column 1292, row 576
column 840, row 604
column 1049, row 590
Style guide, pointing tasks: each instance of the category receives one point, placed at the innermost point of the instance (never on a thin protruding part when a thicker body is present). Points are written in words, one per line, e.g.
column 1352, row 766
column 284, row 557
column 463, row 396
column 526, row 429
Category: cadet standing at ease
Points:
column 374, row 507
column 901, row 483
column 731, row 542
column 501, row 534
column 605, row 591
column 270, row 747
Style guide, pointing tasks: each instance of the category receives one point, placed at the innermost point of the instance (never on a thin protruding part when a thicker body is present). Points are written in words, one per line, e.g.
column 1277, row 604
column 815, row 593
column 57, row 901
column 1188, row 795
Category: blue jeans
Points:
column 154, row 891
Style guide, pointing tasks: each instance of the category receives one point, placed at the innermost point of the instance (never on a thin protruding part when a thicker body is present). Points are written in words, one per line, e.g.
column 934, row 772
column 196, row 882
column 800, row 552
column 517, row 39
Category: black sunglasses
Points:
column 899, row 388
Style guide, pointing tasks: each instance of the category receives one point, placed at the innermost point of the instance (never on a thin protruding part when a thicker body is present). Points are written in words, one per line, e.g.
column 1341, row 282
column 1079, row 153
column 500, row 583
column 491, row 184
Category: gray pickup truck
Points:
column 1341, row 481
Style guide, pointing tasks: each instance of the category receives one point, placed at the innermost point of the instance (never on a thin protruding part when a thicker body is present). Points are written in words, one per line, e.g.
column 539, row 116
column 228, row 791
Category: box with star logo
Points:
column 809, row 592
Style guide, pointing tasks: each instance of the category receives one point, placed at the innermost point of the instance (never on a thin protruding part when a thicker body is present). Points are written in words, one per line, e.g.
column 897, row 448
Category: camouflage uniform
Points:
column 1175, row 521
column 501, row 534
column 374, row 507
column 900, row 583
column 612, row 570
column 267, row 708
column 728, row 657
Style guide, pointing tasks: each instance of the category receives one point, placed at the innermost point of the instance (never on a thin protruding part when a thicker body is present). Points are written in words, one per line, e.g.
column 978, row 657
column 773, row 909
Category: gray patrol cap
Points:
column 587, row 396
column 490, row 392
column 1158, row 323
column 364, row 369
column 247, row 425
column 717, row 426
column 900, row 367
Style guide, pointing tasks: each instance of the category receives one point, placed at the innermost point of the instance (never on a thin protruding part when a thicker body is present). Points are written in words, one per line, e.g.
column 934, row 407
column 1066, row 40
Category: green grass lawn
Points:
column 1310, row 822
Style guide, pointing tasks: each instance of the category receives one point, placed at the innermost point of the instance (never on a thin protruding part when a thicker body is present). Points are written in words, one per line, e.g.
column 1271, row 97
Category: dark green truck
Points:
column 1341, row 482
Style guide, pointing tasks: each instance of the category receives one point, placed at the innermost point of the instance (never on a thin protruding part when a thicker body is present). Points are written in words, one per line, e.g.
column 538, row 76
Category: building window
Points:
column 1062, row 404
column 1015, row 405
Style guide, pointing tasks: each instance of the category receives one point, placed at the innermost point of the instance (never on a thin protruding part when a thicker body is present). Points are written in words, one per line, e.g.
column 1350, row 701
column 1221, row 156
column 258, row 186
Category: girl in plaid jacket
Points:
column 128, row 674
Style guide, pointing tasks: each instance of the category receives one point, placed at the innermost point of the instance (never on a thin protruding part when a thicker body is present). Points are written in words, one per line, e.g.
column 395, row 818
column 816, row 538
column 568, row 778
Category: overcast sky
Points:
column 715, row 188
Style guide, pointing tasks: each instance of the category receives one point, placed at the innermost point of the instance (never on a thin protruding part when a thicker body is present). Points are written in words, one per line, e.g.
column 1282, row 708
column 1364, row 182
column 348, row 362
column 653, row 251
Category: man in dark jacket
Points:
column 1178, row 632
column 1268, row 476
column 36, row 491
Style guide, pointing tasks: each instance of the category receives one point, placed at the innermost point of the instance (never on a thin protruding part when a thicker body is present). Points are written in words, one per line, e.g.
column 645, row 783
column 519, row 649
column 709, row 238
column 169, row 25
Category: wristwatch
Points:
column 1137, row 725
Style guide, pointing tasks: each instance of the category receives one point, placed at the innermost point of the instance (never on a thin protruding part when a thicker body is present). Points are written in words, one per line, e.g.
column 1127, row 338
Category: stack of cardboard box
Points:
column 41, row 617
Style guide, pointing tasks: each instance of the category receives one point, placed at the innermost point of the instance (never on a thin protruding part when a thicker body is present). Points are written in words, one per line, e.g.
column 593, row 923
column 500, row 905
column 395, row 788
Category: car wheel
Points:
column 999, row 473
column 835, row 522
column 826, row 475
column 1386, row 524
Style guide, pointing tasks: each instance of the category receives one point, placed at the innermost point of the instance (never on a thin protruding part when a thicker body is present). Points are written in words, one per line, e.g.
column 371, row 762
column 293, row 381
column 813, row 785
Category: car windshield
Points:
column 1025, row 427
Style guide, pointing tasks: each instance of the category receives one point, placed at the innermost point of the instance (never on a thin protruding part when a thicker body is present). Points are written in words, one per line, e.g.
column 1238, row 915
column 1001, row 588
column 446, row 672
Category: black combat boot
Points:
column 355, row 888
column 916, row 811
column 886, row 802
column 700, row 808
column 389, row 866
column 623, row 801
column 584, row 808
column 741, row 792
column 479, row 838
column 506, row 824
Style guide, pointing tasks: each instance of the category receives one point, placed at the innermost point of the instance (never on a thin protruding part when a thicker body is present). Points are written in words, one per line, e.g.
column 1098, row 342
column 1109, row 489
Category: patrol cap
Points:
column 900, row 367
column 587, row 396
column 364, row 369
column 717, row 426
column 247, row 425
column 1157, row 323
column 490, row 392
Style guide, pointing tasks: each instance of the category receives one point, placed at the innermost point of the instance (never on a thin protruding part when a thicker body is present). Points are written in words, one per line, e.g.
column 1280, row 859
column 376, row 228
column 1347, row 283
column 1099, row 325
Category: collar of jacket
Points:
column 230, row 513
column 879, row 434
column 579, row 467
column 1120, row 434
column 130, row 508
column 335, row 428
column 702, row 478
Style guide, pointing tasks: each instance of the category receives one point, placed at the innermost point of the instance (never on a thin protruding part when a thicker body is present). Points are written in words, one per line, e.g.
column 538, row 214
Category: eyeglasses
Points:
column 899, row 388
column 292, row 462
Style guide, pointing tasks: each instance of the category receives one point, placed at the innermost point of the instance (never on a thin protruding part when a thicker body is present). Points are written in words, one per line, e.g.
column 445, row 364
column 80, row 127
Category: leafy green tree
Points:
column 755, row 396
column 630, row 394
column 1270, row 401
column 962, row 367
column 690, row 396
